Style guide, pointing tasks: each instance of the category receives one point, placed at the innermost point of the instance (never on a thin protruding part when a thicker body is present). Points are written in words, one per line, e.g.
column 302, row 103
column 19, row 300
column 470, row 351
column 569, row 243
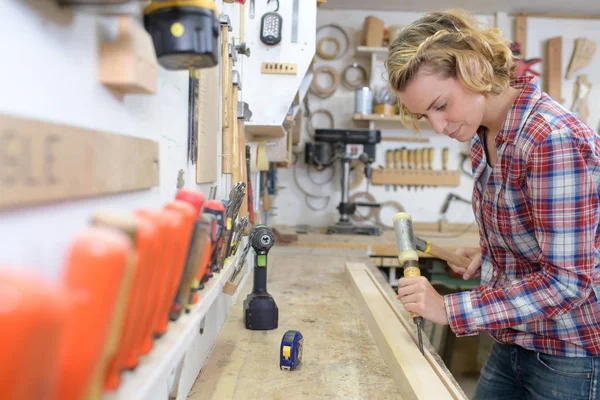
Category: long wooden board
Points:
column 43, row 162
column 208, row 125
column 417, row 376
column 553, row 66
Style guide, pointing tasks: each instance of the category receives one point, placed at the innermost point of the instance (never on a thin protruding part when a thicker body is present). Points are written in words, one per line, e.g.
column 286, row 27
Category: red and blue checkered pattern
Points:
column 538, row 221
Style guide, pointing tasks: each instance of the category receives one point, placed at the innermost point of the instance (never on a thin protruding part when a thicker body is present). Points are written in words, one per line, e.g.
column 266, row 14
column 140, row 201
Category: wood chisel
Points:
column 179, row 233
column 132, row 332
column 201, row 235
column 185, row 245
column 32, row 317
column 98, row 273
column 205, row 267
column 153, row 291
column 408, row 259
column 128, row 225
column 167, row 224
column 192, row 258
column 217, row 209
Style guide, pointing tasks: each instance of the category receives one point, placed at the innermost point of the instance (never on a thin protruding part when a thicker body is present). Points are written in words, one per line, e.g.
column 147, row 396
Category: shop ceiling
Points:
column 591, row 7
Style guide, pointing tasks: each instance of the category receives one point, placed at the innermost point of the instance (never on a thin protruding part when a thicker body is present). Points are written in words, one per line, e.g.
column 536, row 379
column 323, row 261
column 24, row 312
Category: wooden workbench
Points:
column 341, row 358
column 385, row 245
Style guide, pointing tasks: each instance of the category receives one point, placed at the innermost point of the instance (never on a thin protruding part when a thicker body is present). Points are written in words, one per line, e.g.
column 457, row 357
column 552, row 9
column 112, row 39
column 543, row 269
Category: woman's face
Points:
column 448, row 106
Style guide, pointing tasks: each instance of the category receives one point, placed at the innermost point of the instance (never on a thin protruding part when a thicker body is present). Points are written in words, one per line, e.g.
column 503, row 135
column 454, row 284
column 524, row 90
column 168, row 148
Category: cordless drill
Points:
column 408, row 258
column 260, row 310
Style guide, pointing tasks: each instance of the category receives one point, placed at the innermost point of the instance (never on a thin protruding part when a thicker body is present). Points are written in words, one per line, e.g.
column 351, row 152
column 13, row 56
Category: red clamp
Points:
column 524, row 66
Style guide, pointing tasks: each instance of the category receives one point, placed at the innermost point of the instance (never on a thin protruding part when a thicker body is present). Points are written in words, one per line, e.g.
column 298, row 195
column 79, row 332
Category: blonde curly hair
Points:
column 451, row 44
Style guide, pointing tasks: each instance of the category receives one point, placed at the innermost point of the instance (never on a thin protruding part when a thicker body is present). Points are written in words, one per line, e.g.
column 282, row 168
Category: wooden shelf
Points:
column 415, row 177
column 377, row 117
column 371, row 50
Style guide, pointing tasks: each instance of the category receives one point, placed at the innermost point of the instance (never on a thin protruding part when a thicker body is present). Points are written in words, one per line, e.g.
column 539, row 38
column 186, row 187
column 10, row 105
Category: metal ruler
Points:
column 296, row 10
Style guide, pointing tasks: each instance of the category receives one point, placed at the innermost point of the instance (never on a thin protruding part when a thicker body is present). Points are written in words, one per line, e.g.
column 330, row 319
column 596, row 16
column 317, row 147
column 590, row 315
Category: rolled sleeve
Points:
column 459, row 310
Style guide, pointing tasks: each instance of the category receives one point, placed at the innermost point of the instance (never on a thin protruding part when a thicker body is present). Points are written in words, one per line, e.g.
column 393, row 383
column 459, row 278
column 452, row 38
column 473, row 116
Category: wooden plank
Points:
column 521, row 33
column 242, row 166
column 404, row 139
column 417, row 376
column 43, row 162
column 557, row 15
column 228, row 92
column 208, row 126
column 553, row 64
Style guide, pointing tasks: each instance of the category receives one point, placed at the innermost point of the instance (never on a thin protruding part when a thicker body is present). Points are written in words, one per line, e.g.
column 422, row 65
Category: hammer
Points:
column 441, row 253
column 408, row 258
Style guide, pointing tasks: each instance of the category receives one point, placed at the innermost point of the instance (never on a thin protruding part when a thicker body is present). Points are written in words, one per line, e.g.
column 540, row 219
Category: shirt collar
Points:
column 521, row 108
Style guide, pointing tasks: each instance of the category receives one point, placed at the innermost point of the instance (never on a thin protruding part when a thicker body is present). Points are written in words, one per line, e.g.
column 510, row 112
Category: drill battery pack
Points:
column 185, row 33
column 260, row 312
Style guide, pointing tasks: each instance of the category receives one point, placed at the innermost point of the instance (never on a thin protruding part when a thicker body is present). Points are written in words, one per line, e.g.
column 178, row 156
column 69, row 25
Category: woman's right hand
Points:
column 474, row 268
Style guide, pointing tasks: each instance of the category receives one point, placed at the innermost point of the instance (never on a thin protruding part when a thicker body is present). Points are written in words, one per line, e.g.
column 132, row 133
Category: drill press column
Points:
column 408, row 258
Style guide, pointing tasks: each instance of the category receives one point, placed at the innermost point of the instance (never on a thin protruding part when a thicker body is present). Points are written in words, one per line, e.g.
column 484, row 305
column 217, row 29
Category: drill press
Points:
column 260, row 310
column 408, row 258
column 345, row 145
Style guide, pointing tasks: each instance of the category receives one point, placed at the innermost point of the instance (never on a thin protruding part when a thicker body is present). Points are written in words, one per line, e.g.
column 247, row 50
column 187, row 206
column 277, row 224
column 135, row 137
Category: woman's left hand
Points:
column 418, row 296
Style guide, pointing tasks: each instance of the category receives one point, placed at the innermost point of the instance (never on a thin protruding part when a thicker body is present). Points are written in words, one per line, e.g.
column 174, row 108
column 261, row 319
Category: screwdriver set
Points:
column 125, row 276
column 412, row 168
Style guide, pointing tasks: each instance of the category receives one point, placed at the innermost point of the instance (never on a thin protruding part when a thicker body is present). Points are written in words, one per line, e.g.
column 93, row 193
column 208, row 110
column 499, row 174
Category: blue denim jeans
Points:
column 512, row 372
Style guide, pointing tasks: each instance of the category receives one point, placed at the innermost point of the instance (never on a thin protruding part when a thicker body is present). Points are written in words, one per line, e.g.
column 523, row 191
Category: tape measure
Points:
column 291, row 350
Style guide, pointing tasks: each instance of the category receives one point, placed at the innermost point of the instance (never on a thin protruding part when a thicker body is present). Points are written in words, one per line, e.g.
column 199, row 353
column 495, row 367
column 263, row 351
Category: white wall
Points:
column 48, row 71
column 424, row 205
column 541, row 29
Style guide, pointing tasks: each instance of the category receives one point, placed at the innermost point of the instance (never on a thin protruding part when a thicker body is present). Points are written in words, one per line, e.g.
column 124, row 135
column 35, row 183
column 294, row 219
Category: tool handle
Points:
column 445, row 158
column 403, row 157
column 418, row 159
column 448, row 256
column 430, row 158
column 388, row 158
column 412, row 272
column 397, row 159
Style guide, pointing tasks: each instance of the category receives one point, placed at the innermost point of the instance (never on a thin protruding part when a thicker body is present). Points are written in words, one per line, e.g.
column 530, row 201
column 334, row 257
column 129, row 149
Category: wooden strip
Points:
column 404, row 139
column 227, row 117
column 553, row 65
column 243, row 173
column 208, row 125
column 393, row 176
column 521, row 33
column 43, row 162
column 557, row 15
column 417, row 376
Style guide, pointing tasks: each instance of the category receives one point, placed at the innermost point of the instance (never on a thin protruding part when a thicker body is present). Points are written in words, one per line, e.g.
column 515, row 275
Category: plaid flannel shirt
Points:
column 539, row 233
